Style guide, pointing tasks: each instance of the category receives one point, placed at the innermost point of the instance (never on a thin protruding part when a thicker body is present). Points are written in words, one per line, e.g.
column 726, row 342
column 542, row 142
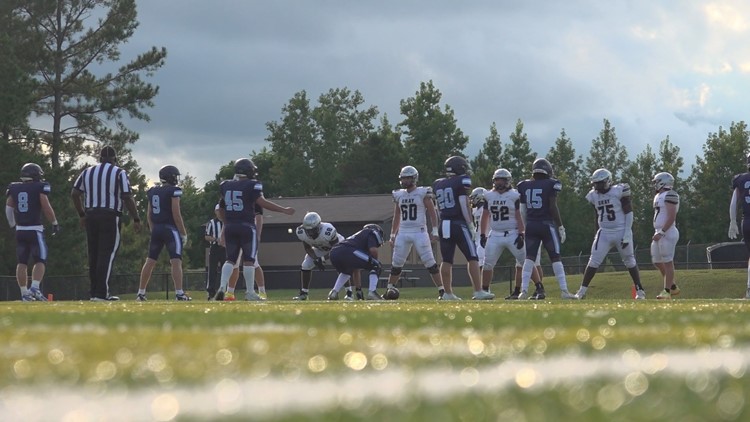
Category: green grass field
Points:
column 605, row 358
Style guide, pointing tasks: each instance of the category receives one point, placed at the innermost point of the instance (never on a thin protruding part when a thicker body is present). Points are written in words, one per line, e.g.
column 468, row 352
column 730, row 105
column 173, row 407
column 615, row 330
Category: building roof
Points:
column 334, row 209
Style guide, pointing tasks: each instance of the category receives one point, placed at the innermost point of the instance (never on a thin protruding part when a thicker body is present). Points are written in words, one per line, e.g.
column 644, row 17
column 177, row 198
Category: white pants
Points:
column 402, row 246
column 604, row 241
column 309, row 262
column 663, row 250
column 497, row 243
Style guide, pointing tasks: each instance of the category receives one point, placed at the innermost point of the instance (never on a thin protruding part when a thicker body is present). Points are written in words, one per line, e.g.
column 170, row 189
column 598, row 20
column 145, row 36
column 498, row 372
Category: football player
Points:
column 358, row 251
column 477, row 210
column 543, row 225
column 456, row 226
column 237, row 209
column 412, row 206
column 666, row 235
column 501, row 228
column 26, row 202
column 614, row 218
column 167, row 230
column 318, row 238
column 741, row 193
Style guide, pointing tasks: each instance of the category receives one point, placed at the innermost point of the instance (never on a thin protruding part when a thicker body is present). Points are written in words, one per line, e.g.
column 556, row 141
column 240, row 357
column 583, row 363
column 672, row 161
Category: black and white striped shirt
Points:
column 103, row 185
column 213, row 228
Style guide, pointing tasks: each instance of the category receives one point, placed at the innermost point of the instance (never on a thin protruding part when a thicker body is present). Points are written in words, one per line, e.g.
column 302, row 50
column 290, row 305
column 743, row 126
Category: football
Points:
column 391, row 294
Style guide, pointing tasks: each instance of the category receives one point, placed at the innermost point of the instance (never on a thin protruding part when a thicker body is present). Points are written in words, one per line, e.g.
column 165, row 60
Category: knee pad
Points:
column 396, row 270
column 434, row 269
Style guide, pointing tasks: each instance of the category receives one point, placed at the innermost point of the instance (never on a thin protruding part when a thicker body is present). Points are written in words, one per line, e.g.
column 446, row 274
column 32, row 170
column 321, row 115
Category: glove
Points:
column 184, row 239
column 483, row 240
column 55, row 229
column 733, row 230
column 519, row 241
column 473, row 233
column 319, row 264
column 627, row 239
column 375, row 266
column 561, row 229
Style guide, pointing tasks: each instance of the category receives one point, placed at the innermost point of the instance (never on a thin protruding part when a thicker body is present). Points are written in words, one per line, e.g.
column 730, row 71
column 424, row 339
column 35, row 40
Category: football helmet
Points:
column 375, row 229
column 311, row 224
column 663, row 180
column 457, row 165
column 31, row 171
column 542, row 166
column 406, row 172
column 477, row 197
column 602, row 180
column 245, row 167
column 502, row 179
column 169, row 174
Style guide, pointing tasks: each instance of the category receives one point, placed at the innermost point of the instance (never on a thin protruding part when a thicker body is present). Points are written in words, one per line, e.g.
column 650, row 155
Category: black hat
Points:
column 108, row 154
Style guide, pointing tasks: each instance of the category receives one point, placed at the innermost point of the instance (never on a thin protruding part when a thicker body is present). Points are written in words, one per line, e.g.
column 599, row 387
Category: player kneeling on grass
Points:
column 358, row 251
column 412, row 204
column 167, row 229
column 614, row 217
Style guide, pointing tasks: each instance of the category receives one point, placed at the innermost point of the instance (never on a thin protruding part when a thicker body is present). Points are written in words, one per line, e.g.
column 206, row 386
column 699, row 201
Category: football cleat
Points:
column 538, row 295
column 674, row 290
column 229, row 297
column 28, row 297
column 252, row 296
column 449, row 296
column 664, row 295
column 360, row 294
column 219, row 296
column 333, row 295
column 640, row 295
column 183, row 297
column 262, row 295
column 566, row 295
column 38, row 296
column 374, row 295
column 140, row 298
column 482, row 295
column 441, row 292
column 580, row 295
column 302, row 296
column 524, row 295
column 514, row 295
column 747, row 294
column 348, row 298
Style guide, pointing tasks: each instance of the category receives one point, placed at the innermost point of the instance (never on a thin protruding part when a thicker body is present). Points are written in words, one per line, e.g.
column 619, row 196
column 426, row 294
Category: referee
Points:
column 98, row 195
column 217, row 254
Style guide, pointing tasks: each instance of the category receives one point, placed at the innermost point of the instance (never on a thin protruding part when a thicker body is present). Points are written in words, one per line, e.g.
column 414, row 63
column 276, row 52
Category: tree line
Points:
column 54, row 55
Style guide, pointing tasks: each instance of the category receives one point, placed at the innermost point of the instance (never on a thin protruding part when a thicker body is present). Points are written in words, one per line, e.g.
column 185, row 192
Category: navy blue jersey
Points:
column 238, row 199
column 742, row 182
column 160, row 198
column 537, row 194
column 28, row 203
column 447, row 191
column 363, row 240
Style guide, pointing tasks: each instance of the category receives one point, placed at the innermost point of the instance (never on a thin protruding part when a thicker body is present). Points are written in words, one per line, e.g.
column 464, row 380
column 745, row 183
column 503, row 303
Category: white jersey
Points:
column 325, row 239
column 476, row 214
column 610, row 215
column 411, row 205
column 660, row 201
column 502, row 208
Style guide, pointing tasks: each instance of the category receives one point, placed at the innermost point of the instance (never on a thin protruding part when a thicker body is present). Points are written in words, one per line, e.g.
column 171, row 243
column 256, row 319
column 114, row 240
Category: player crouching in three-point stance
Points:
column 412, row 204
column 741, row 194
column 664, row 240
column 614, row 217
column 26, row 203
column 543, row 225
column 237, row 210
column 318, row 238
column 358, row 251
column 457, row 227
column 167, row 229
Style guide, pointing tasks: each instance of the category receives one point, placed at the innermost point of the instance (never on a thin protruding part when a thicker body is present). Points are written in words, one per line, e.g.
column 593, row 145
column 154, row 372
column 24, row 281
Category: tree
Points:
column 82, row 105
column 488, row 159
column 607, row 152
column 431, row 135
column 517, row 156
column 709, row 186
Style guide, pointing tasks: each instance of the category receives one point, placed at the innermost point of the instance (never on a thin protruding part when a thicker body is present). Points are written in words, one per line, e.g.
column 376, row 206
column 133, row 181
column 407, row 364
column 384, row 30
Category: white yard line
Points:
column 267, row 396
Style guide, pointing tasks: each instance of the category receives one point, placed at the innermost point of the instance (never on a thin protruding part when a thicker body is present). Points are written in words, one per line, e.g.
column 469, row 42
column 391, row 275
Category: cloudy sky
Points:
column 677, row 68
